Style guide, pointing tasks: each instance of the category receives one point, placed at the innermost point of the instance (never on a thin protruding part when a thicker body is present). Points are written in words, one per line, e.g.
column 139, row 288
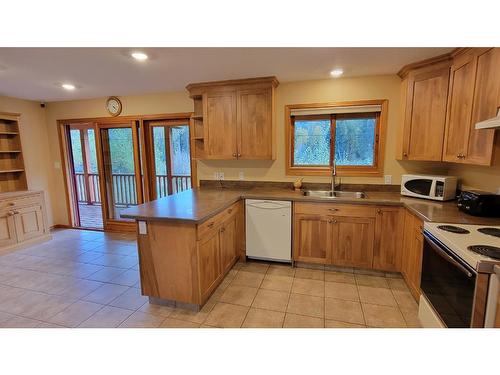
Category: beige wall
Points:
column 35, row 144
column 377, row 87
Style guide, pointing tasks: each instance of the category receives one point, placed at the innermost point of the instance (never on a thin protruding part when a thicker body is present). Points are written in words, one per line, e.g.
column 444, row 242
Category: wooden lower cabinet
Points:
column 228, row 243
column 312, row 238
column 7, row 229
column 412, row 253
column 362, row 236
column 209, row 263
column 353, row 239
column 22, row 219
column 388, row 249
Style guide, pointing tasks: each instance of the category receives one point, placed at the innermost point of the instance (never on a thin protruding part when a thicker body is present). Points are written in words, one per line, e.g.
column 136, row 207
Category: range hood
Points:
column 492, row 123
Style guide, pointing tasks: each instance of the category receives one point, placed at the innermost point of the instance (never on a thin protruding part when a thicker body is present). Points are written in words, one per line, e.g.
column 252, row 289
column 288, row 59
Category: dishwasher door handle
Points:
column 267, row 205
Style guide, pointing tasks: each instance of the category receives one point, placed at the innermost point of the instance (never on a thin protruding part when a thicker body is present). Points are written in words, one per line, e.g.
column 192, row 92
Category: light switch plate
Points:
column 143, row 229
column 241, row 175
column 221, row 175
column 388, row 179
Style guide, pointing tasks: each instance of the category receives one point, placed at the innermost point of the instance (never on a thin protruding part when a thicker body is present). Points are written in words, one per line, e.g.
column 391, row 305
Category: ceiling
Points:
column 37, row 73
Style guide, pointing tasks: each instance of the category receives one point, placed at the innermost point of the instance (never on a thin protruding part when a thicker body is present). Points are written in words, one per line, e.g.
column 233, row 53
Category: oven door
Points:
column 448, row 283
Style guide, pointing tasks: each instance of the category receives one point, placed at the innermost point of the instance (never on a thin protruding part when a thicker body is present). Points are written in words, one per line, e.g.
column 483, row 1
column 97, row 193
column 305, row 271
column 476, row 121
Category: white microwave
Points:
column 438, row 188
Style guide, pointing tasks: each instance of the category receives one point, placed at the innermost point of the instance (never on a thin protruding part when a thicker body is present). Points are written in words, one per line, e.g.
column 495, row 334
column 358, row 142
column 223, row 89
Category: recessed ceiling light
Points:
column 337, row 72
column 139, row 56
column 68, row 86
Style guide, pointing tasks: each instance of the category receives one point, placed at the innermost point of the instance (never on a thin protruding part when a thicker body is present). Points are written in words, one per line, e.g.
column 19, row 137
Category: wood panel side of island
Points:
column 168, row 262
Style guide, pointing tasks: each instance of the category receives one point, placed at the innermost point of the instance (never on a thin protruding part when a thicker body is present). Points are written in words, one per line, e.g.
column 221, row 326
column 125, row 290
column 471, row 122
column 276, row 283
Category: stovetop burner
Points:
column 489, row 251
column 453, row 229
column 490, row 231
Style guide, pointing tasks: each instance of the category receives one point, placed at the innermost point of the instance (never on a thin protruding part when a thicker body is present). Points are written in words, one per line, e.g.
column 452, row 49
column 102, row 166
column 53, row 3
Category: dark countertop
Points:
column 198, row 205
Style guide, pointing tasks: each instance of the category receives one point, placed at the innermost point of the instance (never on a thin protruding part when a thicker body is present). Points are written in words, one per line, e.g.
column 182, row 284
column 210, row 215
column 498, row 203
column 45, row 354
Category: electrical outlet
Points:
column 221, row 175
column 241, row 175
column 216, row 175
column 388, row 179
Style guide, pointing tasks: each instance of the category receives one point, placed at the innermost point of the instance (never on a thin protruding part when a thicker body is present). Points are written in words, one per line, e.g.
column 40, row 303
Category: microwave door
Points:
column 420, row 186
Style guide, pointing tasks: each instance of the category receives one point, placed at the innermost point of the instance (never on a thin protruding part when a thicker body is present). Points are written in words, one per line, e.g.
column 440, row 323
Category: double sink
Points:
column 334, row 194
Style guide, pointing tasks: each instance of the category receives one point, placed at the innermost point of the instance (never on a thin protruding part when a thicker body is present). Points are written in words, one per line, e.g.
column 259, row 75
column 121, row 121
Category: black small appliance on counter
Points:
column 479, row 203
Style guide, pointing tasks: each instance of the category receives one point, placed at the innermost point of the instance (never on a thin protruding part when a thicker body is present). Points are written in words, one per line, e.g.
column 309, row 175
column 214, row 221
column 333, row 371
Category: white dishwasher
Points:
column 268, row 229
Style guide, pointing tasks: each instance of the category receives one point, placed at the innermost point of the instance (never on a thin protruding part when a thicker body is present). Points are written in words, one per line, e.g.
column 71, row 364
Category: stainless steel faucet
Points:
column 334, row 174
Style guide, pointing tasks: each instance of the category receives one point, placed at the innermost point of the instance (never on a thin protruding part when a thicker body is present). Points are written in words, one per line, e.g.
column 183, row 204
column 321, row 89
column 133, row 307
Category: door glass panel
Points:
column 119, row 169
column 172, row 159
column 160, row 155
column 181, row 163
column 86, row 177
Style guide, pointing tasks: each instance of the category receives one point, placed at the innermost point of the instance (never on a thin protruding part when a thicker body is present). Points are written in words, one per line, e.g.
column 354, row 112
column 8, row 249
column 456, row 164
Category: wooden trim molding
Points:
column 447, row 57
column 370, row 171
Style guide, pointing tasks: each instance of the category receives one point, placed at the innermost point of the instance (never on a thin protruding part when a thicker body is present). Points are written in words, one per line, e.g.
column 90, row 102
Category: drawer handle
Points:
column 230, row 210
column 12, row 204
column 333, row 209
column 330, row 221
column 211, row 224
column 222, row 229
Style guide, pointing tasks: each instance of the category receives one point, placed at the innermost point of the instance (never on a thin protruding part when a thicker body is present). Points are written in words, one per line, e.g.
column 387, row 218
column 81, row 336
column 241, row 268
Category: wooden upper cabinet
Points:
column 389, row 228
column 219, row 130
column 486, row 102
column 353, row 240
column 458, row 123
column 425, row 93
column 238, row 119
column 431, row 104
column 255, row 124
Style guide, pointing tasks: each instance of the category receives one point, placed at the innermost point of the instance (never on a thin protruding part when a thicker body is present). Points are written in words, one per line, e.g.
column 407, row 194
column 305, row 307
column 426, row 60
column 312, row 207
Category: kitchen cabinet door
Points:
column 353, row 241
column 255, row 124
column 312, row 238
column 220, row 125
column 425, row 114
column 485, row 106
column 7, row 229
column 228, row 243
column 209, row 270
column 460, row 99
column 389, row 227
column 29, row 223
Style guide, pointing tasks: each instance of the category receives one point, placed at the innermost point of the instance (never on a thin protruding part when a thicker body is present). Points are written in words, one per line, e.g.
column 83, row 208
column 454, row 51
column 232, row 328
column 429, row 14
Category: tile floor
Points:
column 91, row 279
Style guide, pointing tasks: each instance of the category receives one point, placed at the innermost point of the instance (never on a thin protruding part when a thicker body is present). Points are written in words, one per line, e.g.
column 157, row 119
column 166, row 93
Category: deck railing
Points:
column 124, row 189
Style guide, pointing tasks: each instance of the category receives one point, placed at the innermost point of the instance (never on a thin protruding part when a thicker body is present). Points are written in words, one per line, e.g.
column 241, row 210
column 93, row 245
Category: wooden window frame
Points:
column 380, row 134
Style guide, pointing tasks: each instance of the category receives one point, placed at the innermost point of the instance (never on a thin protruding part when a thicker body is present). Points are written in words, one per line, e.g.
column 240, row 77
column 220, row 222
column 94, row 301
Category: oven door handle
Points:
column 447, row 256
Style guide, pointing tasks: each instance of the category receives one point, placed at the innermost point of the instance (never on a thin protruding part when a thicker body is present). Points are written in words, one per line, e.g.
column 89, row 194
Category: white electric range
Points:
column 459, row 284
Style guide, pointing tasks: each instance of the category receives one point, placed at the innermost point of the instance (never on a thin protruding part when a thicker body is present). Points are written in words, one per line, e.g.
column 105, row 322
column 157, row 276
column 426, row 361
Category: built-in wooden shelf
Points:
column 12, row 176
column 11, row 170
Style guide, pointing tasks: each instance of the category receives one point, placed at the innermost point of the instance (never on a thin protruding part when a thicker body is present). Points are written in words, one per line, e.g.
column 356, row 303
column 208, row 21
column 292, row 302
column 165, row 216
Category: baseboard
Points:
column 33, row 241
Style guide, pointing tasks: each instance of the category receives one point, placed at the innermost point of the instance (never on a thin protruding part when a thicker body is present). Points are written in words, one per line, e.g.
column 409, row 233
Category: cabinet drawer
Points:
column 217, row 220
column 13, row 203
column 334, row 209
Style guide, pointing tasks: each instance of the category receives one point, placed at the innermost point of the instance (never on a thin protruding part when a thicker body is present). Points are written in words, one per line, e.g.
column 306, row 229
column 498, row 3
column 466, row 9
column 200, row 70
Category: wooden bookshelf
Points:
column 12, row 173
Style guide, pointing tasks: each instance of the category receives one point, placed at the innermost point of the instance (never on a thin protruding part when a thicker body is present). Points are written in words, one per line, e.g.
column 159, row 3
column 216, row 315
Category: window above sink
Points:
column 350, row 134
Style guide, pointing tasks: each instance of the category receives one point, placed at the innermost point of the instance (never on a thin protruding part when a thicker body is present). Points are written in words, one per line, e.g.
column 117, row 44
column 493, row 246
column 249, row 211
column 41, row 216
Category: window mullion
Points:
column 332, row 139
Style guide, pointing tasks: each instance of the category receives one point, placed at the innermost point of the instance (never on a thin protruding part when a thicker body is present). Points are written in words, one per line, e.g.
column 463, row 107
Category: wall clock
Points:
column 114, row 106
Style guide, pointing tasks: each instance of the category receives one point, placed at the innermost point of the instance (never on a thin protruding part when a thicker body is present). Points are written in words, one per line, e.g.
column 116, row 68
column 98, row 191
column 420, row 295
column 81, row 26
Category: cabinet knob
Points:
column 12, row 204
column 405, row 154
column 333, row 209
column 239, row 155
column 10, row 213
column 222, row 229
column 379, row 211
column 234, row 154
column 211, row 224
